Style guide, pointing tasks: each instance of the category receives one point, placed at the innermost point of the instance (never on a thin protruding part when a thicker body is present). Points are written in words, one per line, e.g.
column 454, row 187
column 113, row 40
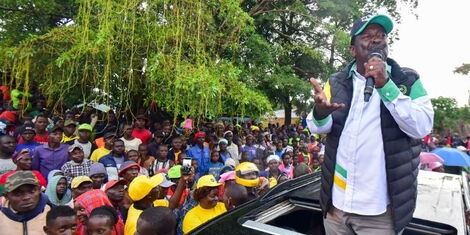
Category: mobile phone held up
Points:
column 186, row 166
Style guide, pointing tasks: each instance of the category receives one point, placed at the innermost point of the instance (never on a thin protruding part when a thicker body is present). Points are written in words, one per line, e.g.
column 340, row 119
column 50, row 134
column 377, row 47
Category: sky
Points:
column 434, row 44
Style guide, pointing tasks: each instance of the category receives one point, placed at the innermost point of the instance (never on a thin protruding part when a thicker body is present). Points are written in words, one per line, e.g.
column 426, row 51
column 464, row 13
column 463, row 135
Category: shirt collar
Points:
column 354, row 70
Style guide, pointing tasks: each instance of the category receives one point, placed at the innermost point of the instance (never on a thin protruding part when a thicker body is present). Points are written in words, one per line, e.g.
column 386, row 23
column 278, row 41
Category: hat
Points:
column 75, row 146
column 54, row 128
column 228, row 132
column 97, row 168
column 19, row 155
column 229, row 175
column 79, row 180
column 141, row 186
column 230, row 162
column 113, row 183
column 126, row 165
column 174, row 172
column 254, row 128
column 207, row 181
column 9, row 115
column 109, row 134
column 188, row 124
column 223, row 141
column 85, row 127
column 28, row 128
column 70, row 122
column 273, row 157
column 361, row 23
column 20, row 178
column 199, row 134
column 225, row 169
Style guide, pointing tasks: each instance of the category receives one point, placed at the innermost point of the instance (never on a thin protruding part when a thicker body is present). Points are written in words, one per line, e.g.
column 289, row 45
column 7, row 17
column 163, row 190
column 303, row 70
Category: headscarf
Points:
column 91, row 200
column 273, row 157
column 52, row 173
column 51, row 191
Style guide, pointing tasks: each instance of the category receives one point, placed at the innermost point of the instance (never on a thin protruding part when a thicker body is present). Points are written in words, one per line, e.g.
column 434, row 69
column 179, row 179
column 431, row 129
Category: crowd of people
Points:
column 103, row 174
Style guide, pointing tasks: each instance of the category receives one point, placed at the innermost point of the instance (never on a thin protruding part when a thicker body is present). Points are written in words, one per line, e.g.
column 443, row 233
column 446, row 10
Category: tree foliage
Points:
column 194, row 58
column 446, row 113
column 463, row 69
column 127, row 53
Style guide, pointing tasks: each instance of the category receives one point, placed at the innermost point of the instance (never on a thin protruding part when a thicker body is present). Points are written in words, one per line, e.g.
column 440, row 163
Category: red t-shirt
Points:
column 183, row 196
column 143, row 135
column 42, row 139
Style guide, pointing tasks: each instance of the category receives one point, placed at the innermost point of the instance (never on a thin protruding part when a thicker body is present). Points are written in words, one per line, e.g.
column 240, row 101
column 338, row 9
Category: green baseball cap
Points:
column 70, row 122
column 85, row 127
column 361, row 23
column 20, row 178
column 174, row 172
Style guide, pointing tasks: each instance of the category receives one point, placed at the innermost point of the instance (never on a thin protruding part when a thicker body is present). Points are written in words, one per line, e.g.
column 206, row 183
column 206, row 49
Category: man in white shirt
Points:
column 130, row 142
column 371, row 152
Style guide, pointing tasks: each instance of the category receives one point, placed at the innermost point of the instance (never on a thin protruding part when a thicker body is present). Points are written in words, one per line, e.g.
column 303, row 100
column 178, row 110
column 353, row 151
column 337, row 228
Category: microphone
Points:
column 370, row 83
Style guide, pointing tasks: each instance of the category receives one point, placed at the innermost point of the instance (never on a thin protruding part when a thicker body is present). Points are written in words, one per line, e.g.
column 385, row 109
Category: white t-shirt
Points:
column 132, row 144
column 86, row 148
column 6, row 165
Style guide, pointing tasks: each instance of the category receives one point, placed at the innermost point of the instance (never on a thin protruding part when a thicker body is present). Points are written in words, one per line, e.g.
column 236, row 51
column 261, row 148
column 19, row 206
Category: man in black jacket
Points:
column 371, row 152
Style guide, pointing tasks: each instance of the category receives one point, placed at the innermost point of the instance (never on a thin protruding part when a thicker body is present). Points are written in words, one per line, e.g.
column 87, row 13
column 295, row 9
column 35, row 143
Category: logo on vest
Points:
column 403, row 89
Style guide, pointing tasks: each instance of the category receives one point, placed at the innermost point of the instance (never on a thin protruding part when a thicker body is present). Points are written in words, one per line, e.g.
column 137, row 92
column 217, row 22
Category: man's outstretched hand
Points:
column 323, row 107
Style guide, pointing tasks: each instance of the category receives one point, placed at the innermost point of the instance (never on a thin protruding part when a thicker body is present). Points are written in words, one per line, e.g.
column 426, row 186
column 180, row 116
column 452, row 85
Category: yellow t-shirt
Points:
column 161, row 202
column 131, row 222
column 199, row 215
column 99, row 153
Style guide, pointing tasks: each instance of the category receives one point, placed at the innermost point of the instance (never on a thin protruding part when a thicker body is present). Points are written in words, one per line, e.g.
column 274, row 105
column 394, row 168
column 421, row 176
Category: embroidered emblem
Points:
column 403, row 89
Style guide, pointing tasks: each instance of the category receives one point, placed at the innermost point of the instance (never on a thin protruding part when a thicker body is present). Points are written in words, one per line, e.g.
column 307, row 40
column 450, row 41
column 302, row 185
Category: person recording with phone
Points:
column 373, row 136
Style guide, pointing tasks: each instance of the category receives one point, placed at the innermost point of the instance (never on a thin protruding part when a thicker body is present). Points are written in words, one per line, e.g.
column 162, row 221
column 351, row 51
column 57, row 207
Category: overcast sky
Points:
column 435, row 44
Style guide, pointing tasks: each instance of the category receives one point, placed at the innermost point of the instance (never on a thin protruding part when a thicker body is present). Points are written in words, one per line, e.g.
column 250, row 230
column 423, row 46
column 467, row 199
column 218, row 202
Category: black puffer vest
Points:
column 401, row 151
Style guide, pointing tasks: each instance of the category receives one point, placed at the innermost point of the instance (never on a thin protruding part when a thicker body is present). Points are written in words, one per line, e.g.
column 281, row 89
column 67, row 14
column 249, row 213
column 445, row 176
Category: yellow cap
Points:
column 142, row 185
column 207, row 181
column 80, row 179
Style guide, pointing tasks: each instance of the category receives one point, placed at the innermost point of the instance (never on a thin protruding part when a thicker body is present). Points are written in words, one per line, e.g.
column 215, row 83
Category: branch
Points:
column 259, row 7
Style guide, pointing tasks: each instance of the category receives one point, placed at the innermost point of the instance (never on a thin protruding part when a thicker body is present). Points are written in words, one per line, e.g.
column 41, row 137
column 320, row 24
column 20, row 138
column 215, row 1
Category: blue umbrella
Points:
column 452, row 156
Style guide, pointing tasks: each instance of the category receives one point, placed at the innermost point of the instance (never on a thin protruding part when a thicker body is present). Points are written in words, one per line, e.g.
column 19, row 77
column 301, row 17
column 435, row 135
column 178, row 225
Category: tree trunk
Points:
column 288, row 112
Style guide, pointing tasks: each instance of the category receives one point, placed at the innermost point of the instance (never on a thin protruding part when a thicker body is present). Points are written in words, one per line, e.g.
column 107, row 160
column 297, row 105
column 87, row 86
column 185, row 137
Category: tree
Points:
column 131, row 53
column 445, row 113
column 463, row 69
column 298, row 39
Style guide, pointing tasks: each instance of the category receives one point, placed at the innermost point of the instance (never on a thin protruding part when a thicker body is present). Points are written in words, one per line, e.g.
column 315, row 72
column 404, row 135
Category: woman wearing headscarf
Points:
column 57, row 190
column 54, row 173
column 88, row 201
column 273, row 173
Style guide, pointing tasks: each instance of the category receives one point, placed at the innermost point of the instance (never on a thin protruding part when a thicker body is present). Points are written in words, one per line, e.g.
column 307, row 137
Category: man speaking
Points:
column 373, row 143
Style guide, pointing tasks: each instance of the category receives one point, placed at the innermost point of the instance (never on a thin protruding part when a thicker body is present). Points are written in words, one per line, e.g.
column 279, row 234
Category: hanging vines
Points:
column 129, row 53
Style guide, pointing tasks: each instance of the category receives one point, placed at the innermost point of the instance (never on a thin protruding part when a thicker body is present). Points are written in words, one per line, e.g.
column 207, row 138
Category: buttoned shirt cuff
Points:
column 321, row 122
column 389, row 92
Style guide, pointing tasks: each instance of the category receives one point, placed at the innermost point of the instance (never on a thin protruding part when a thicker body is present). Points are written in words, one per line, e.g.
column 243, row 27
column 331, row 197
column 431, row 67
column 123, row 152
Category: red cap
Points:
column 199, row 134
column 113, row 183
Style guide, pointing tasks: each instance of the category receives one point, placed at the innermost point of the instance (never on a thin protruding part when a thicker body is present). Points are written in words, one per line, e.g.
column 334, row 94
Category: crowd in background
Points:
column 96, row 172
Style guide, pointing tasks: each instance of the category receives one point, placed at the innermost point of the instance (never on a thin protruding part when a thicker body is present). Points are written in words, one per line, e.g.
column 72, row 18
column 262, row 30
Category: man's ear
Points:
column 45, row 229
column 352, row 50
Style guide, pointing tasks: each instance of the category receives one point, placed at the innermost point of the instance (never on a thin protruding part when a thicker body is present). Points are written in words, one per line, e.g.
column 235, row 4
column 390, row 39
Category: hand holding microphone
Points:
column 375, row 72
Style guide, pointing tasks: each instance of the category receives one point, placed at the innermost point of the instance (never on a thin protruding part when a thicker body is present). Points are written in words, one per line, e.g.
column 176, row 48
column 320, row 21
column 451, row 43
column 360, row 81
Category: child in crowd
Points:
column 215, row 165
column 78, row 165
column 102, row 220
column 60, row 220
